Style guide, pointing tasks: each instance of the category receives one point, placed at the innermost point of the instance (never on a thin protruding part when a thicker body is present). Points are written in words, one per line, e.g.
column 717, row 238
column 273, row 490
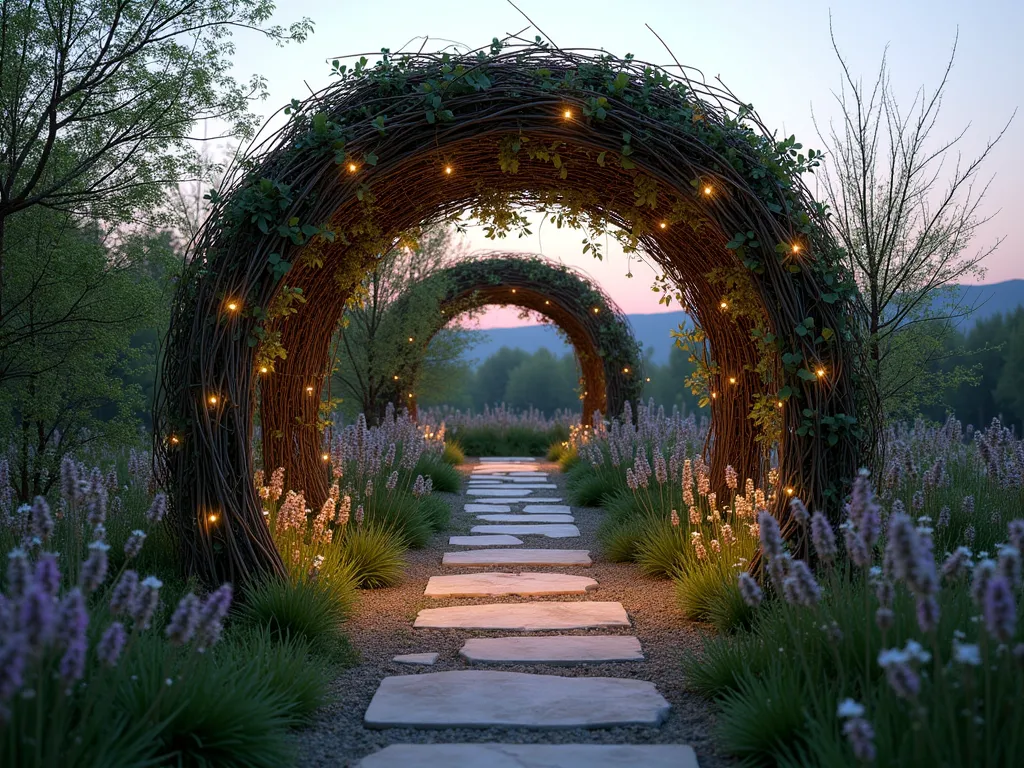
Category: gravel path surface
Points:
column 382, row 628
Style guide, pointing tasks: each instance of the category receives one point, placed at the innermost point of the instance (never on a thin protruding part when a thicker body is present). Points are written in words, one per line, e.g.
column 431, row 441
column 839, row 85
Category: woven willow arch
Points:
column 608, row 355
column 681, row 166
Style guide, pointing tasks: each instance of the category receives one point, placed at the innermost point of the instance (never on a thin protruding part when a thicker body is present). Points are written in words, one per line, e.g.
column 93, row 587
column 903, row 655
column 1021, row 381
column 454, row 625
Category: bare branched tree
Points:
column 906, row 208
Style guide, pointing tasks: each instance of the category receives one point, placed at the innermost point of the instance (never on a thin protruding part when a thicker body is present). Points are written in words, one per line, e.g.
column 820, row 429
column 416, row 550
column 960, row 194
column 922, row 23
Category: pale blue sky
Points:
column 776, row 55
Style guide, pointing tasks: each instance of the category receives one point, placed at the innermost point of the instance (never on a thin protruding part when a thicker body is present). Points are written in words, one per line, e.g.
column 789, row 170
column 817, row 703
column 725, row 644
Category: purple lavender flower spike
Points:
column 861, row 736
column 184, row 621
column 111, row 644
column 1000, row 609
column 72, row 663
column 927, row 613
column 13, row 654
column 47, row 573
column 157, row 509
column 94, row 569
column 42, row 520
column 123, row 597
column 771, row 537
column 211, row 617
column 823, row 538
column 146, row 599
column 37, row 617
column 750, row 591
column 74, row 619
column 19, row 573
column 133, row 545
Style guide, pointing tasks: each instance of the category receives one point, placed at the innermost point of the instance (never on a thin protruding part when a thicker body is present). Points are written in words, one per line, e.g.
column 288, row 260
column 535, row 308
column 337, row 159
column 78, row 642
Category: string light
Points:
column 820, row 373
column 352, row 168
column 448, row 170
column 212, row 399
column 648, row 379
column 410, row 394
column 714, row 395
column 395, row 377
column 325, row 456
column 513, row 290
column 724, row 305
column 174, row 440
column 547, row 303
column 796, row 247
column 625, row 370
column 567, row 114
column 732, row 379
column 663, row 225
column 411, row 339
column 212, row 517
column 264, row 369
column 779, row 403
column 596, row 310
column 707, row 190
column 309, row 390
column 232, row 306
column 789, row 491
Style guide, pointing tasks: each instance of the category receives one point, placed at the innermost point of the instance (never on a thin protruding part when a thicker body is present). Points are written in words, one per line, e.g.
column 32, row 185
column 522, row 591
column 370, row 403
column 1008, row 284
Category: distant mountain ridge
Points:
column 653, row 330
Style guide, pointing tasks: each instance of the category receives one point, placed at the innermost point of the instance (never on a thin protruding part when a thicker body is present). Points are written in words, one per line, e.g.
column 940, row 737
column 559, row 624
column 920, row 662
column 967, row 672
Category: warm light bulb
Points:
column 547, row 303
column 212, row 517
column 326, row 456
column 625, row 370
column 780, row 403
column 352, row 167
column 309, row 390
column 410, row 394
column 448, row 170
column 174, row 440
column 513, row 290
column 796, row 248
column 707, row 190
column 724, row 305
column 213, row 399
column 663, row 225
column 411, row 339
column 264, row 369
column 232, row 305
column 395, row 377
column 567, row 114
column 789, row 491
column 821, row 373
column 648, row 379
column 596, row 310
column 732, row 379
column 714, row 395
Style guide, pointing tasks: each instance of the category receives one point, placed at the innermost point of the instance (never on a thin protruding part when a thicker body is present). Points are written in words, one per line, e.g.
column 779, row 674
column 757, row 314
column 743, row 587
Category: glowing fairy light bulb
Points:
column 212, row 400
column 820, row 373
column 724, row 305
column 395, row 377
column 325, row 456
column 174, row 440
column 448, row 170
column 663, row 225
column 212, row 517
column 232, row 306
column 309, row 390
column 567, row 114
column 625, row 370
column 796, row 247
column 352, row 168
column 707, row 190
column 789, row 491
column 732, row 379
column 596, row 310
column 264, row 369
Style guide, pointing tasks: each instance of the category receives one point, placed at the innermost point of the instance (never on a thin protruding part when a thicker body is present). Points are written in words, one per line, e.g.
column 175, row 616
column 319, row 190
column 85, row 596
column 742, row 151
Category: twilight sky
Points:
column 777, row 56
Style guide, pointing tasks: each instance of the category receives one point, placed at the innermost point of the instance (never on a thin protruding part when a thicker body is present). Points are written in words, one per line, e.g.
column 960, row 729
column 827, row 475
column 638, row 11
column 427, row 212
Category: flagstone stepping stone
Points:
column 487, row 698
column 536, row 500
column 524, row 617
column 497, row 540
column 530, row 519
column 491, row 584
column 552, row 531
column 511, row 485
column 507, row 460
column 518, row 477
column 423, row 659
column 487, row 508
column 533, row 756
column 550, row 508
column 529, row 557
column 498, row 492
column 558, row 649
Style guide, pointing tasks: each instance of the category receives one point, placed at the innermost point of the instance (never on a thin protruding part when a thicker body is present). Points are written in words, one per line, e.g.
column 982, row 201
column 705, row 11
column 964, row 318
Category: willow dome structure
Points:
column 679, row 169
column 609, row 358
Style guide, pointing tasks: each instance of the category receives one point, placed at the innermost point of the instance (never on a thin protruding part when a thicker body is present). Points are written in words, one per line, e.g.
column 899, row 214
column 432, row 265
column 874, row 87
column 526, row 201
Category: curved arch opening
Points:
column 718, row 205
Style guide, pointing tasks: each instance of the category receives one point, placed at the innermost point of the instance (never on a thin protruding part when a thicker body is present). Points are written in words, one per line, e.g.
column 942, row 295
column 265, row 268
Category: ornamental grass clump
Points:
column 894, row 649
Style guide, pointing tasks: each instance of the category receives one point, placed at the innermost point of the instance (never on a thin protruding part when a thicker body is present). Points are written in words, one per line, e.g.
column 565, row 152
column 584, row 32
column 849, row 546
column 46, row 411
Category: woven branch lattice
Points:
column 681, row 166
column 609, row 357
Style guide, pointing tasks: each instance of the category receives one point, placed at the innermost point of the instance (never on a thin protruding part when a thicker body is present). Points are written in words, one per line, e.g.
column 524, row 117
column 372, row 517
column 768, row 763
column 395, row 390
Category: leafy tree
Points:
column 491, row 381
column 906, row 224
column 83, row 301
column 99, row 100
column 376, row 348
column 544, row 382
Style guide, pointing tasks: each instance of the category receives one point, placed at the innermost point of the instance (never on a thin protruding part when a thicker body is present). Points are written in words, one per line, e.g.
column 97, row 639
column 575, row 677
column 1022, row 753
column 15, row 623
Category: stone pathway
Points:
column 479, row 699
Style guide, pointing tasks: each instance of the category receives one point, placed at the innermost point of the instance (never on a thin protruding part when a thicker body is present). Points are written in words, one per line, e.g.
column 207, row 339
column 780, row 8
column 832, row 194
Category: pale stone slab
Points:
column 486, row 698
column 559, row 649
column 495, row 540
column 510, row 492
column 533, row 756
column 507, row 459
column 535, row 500
column 488, row 557
column 524, row 617
column 558, row 509
column 524, row 477
column 552, row 531
column 423, row 659
column 487, row 508
column 529, row 519
column 491, row 584
column 496, row 484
